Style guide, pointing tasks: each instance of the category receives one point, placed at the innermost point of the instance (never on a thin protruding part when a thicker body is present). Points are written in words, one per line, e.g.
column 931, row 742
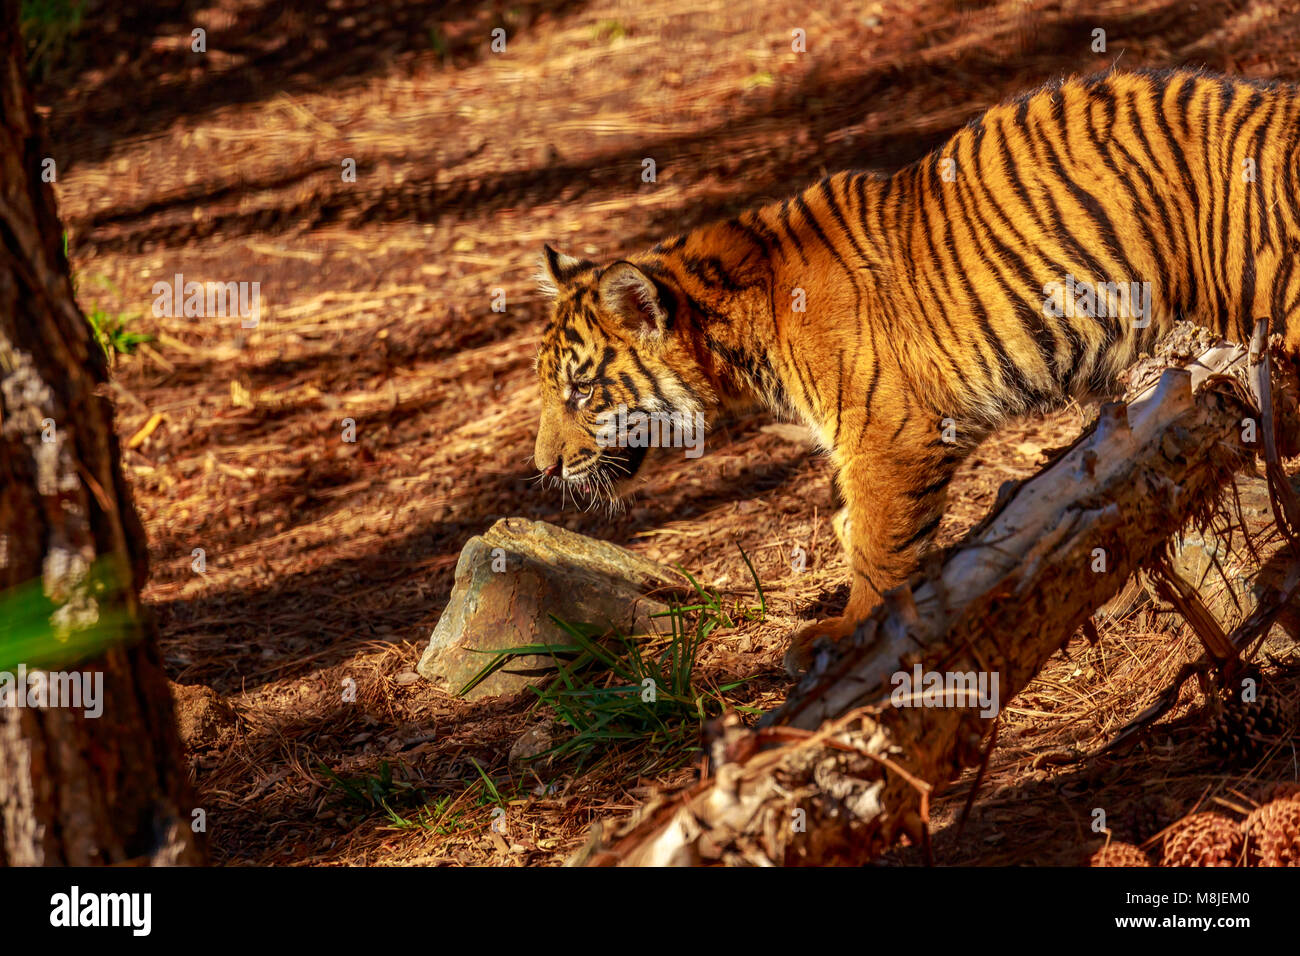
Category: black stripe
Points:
column 921, row 534
column 1193, row 250
column 1280, row 284
column 670, row 245
column 1255, row 227
column 1096, row 211
column 653, row 382
column 1231, row 178
column 925, row 172
column 1014, row 385
column 710, row 271
column 829, row 193
column 917, row 494
column 907, row 233
column 1033, row 322
column 754, row 236
column 830, row 247
column 1075, row 247
column 629, row 384
column 1136, row 214
column 784, row 218
column 839, row 259
column 1156, row 197
column 1214, row 257
column 606, row 357
column 839, row 398
column 903, row 422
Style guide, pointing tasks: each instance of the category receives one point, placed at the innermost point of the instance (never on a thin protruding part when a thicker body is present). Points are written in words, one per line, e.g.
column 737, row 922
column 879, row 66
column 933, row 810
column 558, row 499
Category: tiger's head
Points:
column 614, row 351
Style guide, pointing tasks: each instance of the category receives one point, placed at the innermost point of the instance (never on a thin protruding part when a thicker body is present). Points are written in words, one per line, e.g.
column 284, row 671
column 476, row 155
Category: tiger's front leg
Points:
column 895, row 485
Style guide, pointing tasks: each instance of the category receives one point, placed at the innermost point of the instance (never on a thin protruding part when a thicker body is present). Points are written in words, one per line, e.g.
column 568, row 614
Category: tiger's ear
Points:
column 557, row 270
column 630, row 296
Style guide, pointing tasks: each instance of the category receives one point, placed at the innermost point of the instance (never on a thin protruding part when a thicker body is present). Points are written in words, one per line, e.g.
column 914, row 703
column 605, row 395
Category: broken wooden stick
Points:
column 849, row 762
column 1286, row 507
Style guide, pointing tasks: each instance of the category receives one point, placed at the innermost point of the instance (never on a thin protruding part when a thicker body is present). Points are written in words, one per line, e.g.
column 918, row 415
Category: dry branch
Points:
column 836, row 774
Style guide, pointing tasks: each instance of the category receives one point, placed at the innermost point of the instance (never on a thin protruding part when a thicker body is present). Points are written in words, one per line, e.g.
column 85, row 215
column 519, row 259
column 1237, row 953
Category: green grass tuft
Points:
column 48, row 28
column 112, row 334
column 409, row 806
column 634, row 695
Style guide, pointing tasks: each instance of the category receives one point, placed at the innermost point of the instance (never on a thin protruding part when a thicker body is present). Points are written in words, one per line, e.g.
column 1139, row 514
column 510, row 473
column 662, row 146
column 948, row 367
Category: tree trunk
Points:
column 75, row 788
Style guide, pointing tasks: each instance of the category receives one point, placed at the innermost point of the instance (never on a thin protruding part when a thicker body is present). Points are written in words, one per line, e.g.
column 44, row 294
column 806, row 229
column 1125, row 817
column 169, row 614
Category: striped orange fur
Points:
column 1028, row 260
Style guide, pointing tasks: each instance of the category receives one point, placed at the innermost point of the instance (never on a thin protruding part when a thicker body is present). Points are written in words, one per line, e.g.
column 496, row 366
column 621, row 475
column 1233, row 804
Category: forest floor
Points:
column 327, row 561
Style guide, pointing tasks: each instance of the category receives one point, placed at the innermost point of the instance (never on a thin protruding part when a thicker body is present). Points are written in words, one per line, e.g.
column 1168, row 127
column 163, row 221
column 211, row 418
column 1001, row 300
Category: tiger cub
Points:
column 1028, row 260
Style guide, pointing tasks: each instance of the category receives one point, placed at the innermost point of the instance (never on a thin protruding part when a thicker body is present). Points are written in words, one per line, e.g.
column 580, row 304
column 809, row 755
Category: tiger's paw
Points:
column 802, row 645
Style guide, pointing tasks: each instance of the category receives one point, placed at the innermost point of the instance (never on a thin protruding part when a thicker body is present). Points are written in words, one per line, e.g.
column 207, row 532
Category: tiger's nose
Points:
column 553, row 470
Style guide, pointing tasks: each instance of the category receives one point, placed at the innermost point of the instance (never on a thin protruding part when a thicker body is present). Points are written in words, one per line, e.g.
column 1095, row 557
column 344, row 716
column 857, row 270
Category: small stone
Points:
column 533, row 741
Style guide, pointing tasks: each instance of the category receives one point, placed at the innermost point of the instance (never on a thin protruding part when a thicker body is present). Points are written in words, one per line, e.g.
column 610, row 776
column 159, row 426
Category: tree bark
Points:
column 845, row 766
column 75, row 789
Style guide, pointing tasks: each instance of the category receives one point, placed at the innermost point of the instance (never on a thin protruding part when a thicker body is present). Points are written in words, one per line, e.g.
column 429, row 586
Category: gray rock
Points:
column 509, row 581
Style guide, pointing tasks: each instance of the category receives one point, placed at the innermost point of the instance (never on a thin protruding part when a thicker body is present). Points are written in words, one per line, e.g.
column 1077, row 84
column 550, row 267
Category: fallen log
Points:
column 850, row 761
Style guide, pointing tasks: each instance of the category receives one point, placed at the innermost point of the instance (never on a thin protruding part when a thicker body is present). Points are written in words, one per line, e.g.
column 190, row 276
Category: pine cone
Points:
column 1203, row 839
column 1118, row 854
column 1244, row 732
column 1273, row 834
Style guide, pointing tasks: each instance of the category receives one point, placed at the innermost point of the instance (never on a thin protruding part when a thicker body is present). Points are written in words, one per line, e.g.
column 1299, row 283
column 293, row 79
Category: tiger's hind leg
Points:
column 895, row 486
